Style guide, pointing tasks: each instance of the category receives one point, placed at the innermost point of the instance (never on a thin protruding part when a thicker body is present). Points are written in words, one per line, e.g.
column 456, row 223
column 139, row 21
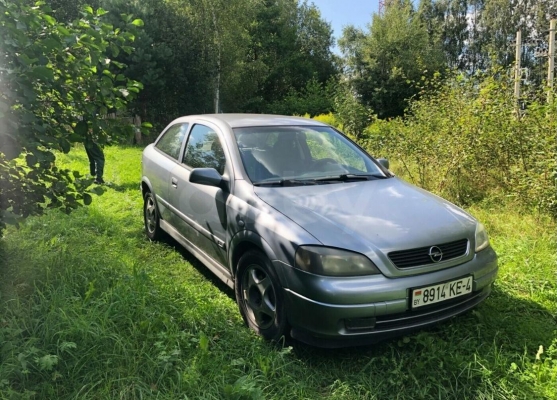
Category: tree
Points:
column 290, row 45
column 315, row 99
column 501, row 19
column 384, row 63
column 478, row 34
column 350, row 112
column 57, row 83
column 245, row 55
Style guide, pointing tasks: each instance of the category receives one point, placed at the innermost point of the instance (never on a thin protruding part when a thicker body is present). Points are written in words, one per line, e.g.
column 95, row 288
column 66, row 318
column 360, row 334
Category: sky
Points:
column 340, row 13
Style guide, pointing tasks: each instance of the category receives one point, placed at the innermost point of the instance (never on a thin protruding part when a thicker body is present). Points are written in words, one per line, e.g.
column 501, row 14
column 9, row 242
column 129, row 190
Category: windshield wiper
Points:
column 285, row 182
column 351, row 177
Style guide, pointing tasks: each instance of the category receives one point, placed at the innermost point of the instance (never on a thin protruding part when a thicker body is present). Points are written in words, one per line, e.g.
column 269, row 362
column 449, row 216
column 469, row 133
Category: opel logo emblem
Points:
column 435, row 254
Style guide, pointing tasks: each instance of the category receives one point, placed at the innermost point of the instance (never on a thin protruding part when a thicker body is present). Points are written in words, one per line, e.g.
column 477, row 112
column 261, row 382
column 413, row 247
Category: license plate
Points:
column 434, row 294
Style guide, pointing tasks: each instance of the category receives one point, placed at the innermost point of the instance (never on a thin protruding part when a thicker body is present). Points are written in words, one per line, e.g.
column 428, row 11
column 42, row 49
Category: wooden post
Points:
column 517, row 72
column 551, row 59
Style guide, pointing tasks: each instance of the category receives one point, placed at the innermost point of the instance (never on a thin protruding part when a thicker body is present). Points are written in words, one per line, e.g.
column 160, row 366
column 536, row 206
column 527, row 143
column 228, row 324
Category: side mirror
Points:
column 207, row 176
column 384, row 162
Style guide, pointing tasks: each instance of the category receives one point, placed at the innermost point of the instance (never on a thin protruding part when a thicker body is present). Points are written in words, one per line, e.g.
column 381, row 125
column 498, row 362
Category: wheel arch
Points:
column 245, row 241
column 145, row 187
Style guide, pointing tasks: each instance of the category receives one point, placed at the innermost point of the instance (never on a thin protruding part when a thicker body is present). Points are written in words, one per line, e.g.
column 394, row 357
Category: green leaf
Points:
column 50, row 20
column 87, row 199
column 43, row 72
column 46, row 363
column 118, row 64
column 31, row 160
column 9, row 217
column 88, row 9
column 20, row 26
column 63, row 30
column 66, row 346
column 26, row 60
column 51, row 44
column 98, row 190
column 138, row 22
column 115, row 50
column 65, row 145
column 203, row 343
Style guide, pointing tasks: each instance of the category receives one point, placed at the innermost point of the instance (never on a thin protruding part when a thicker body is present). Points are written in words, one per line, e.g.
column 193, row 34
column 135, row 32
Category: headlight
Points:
column 333, row 262
column 482, row 241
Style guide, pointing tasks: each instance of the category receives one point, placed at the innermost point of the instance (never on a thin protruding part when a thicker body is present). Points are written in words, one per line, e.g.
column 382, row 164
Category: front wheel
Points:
column 151, row 217
column 259, row 296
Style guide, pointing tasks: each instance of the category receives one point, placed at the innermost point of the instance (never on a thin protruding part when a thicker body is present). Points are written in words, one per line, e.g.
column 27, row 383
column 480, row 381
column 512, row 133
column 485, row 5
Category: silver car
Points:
column 317, row 238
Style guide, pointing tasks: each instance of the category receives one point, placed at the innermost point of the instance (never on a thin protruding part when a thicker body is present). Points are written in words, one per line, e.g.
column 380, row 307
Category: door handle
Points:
column 174, row 183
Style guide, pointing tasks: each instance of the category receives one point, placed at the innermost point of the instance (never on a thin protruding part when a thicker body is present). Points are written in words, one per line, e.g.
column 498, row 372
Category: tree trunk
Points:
column 137, row 123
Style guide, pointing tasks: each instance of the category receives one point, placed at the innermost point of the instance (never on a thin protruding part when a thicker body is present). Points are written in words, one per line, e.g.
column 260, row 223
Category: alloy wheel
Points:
column 259, row 296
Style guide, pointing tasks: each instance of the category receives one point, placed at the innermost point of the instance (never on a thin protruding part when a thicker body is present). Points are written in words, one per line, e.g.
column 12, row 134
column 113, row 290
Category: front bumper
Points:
column 337, row 312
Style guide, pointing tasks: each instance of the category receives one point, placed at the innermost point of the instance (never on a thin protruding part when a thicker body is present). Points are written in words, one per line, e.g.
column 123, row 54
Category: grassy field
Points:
column 90, row 309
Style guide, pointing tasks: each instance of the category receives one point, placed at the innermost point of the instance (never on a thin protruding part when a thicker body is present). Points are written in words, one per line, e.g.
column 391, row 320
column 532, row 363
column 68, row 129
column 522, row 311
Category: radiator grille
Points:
column 420, row 256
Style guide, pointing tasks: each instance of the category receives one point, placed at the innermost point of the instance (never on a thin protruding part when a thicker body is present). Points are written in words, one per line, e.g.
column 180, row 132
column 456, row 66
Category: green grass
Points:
column 90, row 309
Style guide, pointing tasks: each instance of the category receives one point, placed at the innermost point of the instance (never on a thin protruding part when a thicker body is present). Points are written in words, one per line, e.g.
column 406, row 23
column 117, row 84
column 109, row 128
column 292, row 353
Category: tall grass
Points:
column 90, row 309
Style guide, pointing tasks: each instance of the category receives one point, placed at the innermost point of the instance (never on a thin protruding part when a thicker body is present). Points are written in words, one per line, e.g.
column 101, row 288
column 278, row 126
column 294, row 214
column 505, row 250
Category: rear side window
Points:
column 171, row 142
column 204, row 149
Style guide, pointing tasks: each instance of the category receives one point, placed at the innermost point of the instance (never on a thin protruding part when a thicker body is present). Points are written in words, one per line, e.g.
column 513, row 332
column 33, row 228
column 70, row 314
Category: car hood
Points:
column 378, row 215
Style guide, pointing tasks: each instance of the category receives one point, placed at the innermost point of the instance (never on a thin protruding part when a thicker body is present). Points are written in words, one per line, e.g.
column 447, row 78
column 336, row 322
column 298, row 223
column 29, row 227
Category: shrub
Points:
column 466, row 142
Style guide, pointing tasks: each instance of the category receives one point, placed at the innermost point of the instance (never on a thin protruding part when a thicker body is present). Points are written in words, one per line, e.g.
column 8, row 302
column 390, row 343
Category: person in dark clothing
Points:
column 96, row 159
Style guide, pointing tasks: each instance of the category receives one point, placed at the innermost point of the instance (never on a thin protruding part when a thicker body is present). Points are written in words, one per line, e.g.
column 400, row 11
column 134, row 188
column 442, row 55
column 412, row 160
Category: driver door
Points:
column 201, row 210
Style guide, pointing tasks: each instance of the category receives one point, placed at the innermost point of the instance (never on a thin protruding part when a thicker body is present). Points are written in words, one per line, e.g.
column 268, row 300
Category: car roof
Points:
column 246, row 120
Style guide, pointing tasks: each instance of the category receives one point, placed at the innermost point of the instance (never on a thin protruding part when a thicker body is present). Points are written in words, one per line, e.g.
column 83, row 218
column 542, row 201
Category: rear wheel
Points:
column 259, row 296
column 151, row 217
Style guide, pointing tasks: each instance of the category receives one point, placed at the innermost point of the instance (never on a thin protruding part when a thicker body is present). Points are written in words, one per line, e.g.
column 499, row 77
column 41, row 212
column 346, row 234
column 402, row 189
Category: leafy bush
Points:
column 328, row 119
column 57, row 84
column 349, row 110
column 467, row 141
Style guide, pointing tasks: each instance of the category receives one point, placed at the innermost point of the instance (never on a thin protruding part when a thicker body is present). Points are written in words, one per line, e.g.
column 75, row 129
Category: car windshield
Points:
column 289, row 155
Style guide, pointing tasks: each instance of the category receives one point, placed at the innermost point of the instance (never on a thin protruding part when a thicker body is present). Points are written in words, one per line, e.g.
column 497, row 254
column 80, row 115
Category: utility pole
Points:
column 551, row 57
column 217, row 84
column 517, row 72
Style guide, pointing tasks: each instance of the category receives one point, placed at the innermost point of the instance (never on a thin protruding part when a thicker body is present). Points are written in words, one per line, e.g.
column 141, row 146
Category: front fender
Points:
column 245, row 240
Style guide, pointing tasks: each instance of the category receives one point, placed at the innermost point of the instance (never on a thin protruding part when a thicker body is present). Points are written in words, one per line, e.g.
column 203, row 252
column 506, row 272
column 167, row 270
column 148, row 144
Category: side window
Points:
column 204, row 149
column 172, row 139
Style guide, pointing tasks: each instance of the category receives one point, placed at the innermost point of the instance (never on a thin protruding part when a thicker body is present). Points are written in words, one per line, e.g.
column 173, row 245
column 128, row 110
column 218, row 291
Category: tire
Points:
column 151, row 217
column 260, row 296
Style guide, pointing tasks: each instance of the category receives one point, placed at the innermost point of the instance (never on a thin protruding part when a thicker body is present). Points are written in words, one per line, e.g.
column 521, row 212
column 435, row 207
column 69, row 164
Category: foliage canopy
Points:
column 57, row 84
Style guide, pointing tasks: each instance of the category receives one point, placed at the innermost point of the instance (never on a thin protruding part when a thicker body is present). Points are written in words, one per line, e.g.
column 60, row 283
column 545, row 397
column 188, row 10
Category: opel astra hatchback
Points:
column 316, row 237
